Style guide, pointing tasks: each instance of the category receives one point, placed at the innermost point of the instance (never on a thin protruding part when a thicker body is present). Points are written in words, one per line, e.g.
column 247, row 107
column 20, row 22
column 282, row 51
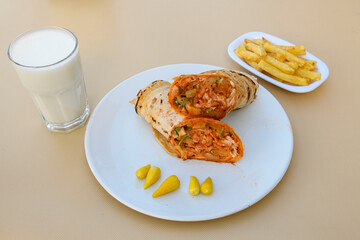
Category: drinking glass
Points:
column 47, row 61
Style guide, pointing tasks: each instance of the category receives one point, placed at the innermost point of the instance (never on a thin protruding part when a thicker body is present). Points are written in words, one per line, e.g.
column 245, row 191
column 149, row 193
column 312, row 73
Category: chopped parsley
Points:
column 176, row 131
column 221, row 130
column 183, row 139
column 181, row 104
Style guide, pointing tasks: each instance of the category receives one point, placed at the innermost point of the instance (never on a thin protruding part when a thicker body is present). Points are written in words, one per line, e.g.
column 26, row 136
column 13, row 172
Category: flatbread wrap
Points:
column 212, row 94
column 188, row 138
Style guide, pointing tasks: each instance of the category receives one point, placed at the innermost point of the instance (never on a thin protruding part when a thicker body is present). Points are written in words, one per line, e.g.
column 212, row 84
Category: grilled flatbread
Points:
column 188, row 138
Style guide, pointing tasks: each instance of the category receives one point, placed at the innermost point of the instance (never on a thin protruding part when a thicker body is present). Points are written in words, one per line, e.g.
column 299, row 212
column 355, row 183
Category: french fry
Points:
column 254, row 65
column 296, row 50
column 259, row 41
column 277, row 56
column 312, row 62
column 248, row 41
column 273, row 77
column 293, row 65
column 259, row 50
column 283, row 76
column 242, row 47
column 265, row 40
column 308, row 74
column 282, row 66
column 309, row 67
column 243, row 53
column 279, row 62
column 289, row 56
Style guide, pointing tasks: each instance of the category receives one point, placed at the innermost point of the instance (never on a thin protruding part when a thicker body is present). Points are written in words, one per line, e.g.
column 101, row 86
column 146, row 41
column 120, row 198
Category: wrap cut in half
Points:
column 195, row 138
column 212, row 94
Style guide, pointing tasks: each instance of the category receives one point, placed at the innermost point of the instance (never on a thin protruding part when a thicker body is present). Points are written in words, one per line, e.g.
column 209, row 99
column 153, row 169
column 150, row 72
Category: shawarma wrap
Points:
column 212, row 94
column 195, row 138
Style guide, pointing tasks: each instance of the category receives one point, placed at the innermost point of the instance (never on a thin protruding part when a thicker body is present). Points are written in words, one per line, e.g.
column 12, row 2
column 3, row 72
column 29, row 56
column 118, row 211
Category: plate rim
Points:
column 292, row 88
column 181, row 219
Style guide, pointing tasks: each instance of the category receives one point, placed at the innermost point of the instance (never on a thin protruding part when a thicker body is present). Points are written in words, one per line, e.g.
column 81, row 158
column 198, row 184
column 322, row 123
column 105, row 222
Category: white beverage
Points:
column 47, row 62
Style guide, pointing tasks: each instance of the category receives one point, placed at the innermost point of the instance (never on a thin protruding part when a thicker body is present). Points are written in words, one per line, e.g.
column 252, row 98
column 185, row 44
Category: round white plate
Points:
column 118, row 142
column 322, row 67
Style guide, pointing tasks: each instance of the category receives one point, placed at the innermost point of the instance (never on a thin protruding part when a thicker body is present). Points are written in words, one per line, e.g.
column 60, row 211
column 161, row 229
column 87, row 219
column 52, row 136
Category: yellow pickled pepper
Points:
column 143, row 171
column 194, row 186
column 152, row 176
column 170, row 184
column 207, row 186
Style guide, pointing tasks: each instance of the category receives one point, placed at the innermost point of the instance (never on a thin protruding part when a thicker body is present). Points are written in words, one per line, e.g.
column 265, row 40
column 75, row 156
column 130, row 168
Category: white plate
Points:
column 118, row 142
column 322, row 68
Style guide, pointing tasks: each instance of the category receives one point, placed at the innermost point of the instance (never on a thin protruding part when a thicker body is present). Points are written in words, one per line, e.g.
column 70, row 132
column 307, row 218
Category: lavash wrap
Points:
column 245, row 88
column 152, row 105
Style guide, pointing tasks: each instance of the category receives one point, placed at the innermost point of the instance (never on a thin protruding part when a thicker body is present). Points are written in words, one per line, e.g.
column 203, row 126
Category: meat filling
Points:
column 204, row 141
column 204, row 95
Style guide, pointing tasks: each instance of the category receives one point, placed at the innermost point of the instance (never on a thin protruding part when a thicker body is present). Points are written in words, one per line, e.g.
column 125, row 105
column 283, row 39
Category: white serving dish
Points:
column 118, row 142
column 322, row 67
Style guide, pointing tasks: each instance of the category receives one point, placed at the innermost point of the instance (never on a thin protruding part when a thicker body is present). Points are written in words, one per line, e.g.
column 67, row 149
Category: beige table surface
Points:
column 47, row 190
